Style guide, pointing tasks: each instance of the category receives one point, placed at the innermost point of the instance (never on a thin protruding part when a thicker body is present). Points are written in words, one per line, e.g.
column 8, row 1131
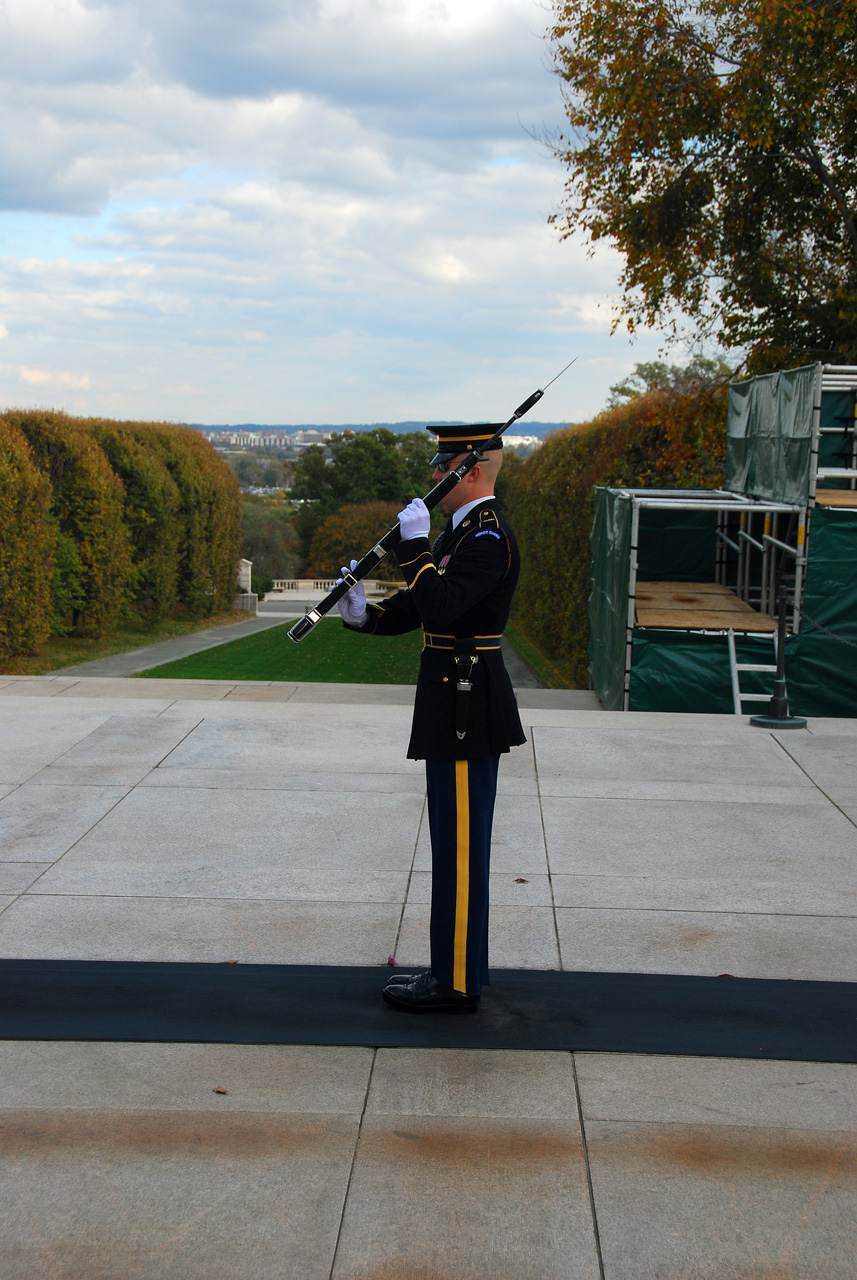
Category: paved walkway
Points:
column 169, row 820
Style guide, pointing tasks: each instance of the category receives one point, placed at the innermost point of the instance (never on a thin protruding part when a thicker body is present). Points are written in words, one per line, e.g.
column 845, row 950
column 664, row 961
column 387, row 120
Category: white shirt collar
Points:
column 458, row 516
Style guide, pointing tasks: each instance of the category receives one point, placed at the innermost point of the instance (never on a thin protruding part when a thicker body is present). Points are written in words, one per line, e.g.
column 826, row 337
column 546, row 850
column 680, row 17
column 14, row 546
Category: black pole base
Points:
column 778, row 722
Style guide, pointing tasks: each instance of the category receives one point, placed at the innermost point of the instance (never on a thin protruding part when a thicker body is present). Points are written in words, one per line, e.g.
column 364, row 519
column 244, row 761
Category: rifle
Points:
column 393, row 536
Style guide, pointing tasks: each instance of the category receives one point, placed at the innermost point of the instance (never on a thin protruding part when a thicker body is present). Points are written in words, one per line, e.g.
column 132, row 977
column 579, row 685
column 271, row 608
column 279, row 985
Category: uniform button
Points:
column 446, row 679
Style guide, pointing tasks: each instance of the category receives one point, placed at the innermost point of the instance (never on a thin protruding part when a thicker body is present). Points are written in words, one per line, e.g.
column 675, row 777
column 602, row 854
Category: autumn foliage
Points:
column 99, row 516
column 656, row 440
column 714, row 143
column 349, row 533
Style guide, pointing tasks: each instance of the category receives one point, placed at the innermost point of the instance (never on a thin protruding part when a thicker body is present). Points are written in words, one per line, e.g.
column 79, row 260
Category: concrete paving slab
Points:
column 187, row 879
column 39, row 823
column 851, row 813
column 671, row 754
column 289, row 747
column 171, row 828
column 334, row 785
column 77, row 705
column 121, row 750
column 203, row 690
column 250, row 932
column 829, row 761
column 675, row 1201
column 399, row 695
column 521, row 938
column 473, row 1082
column 696, row 792
column 15, row 877
column 680, row 839
column 7, row 788
column 505, row 890
column 815, row 948
column 74, row 1203
column 292, row 712
column 719, row 1091
column 500, row 1199
column 92, row 1076
column 37, row 686
column 30, row 739
column 263, row 693
column 838, row 727
column 656, row 892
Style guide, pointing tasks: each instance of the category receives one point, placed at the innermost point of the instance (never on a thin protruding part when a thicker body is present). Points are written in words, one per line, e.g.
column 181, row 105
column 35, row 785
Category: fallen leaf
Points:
column 726, row 975
column 391, row 961
column 521, row 880
column 219, row 1090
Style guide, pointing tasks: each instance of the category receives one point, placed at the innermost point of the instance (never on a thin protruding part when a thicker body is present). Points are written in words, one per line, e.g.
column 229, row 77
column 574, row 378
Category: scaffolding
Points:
column 793, row 447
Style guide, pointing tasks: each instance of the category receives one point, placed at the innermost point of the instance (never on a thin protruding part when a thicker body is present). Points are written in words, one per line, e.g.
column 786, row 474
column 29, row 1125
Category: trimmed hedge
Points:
column 657, row 440
column 112, row 514
column 88, row 501
column 28, row 538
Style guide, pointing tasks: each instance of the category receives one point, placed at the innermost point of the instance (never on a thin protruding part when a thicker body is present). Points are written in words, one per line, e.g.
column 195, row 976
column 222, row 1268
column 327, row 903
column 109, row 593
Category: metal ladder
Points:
column 737, row 667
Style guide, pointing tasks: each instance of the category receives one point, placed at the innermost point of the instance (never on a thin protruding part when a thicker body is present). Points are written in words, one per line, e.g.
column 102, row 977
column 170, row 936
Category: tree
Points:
column 350, row 531
column 365, row 466
column 679, row 380
column 714, row 143
column 96, row 574
column 268, row 537
column 28, row 546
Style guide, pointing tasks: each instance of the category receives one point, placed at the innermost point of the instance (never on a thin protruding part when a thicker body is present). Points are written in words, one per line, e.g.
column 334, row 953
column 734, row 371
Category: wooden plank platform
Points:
column 836, row 498
column 697, row 606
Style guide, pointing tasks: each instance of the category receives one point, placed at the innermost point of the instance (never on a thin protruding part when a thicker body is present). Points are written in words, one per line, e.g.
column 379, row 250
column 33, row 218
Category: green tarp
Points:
column 769, row 435
column 608, row 600
column 689, row 670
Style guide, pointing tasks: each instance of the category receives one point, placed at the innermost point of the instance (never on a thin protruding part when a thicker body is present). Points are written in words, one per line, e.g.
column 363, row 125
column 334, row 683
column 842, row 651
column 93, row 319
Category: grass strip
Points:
column 552, row 675
column 328, row 655
column 131, row 633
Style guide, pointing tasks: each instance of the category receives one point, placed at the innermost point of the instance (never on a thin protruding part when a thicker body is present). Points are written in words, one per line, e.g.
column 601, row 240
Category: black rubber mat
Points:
column 522, row 1009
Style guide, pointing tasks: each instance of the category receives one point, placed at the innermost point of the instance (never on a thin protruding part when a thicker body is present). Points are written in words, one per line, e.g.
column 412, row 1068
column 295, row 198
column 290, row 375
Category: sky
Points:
column 283, row 211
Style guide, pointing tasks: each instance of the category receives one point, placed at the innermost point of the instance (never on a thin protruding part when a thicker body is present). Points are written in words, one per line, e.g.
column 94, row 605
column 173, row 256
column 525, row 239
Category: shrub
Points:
column 151, row 513
column 88, row 503
column 349, row 533
column 268, row 536
column 28, row 536
column 209, row 517
column 657, row 440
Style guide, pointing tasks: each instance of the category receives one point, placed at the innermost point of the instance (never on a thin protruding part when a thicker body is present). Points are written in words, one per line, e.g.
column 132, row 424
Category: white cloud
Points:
column 324, row 210
column 54, row 378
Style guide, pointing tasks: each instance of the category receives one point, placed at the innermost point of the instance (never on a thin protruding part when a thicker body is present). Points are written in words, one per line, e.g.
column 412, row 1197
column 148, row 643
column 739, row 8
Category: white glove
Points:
column 352, row 606
column 415, row 520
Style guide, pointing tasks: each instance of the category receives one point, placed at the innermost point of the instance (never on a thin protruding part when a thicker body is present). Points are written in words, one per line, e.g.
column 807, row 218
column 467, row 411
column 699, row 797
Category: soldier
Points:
column 459, row 590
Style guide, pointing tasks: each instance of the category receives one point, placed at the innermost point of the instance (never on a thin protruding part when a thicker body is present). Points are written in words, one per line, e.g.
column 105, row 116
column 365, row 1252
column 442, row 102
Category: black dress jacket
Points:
column 459, row 588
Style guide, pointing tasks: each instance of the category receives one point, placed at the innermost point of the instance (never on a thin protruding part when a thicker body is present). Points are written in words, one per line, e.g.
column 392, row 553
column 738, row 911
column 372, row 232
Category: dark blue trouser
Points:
column 461, row 810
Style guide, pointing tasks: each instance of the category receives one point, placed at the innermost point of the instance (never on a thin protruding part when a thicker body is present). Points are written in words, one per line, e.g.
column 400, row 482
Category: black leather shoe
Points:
column 402, row 979
column 427, row 995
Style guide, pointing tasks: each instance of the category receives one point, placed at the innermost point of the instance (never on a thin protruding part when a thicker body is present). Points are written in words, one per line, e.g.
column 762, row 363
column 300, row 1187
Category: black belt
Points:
column 431, row 640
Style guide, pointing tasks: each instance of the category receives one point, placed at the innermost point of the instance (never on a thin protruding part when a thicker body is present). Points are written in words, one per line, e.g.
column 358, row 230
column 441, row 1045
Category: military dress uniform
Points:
column 459, row 591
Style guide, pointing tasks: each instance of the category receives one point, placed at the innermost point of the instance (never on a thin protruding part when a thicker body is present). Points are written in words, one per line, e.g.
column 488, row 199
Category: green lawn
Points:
column 329, row 654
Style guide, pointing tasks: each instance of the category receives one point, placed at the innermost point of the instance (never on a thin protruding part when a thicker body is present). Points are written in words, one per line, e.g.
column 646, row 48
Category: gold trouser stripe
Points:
column 462, row 882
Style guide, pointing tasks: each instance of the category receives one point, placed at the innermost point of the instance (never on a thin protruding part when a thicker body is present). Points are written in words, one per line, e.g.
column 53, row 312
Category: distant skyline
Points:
column 326, row 210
